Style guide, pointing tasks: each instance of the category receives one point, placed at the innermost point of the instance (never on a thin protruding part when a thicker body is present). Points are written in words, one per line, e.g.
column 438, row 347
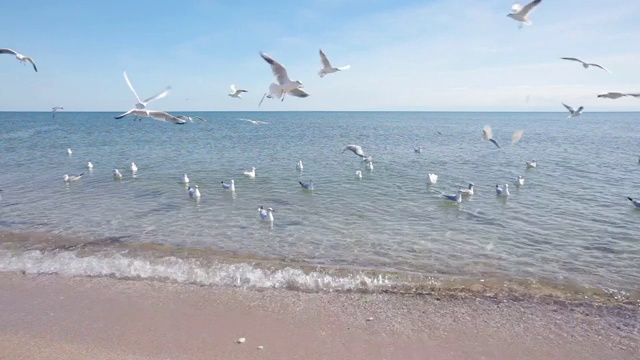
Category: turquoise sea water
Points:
column 570, row 227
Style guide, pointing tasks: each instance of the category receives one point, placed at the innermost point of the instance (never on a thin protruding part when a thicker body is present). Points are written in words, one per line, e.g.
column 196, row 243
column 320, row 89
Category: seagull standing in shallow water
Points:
column 250, row 173
column 358, row 174
column 185, row 179
column 326, row 66
column 502, row 191
column 231, row 186
column 23, row 59
column 520, row 180
column 284, row 85
column 468, row 191
column 573, row 112
column 306, row 186
column 586, row 64
column 299, row 165
column 532, row 164
column 134, row 167
column 457, row 197
column 194, row 192
column 265, row 215
column 520, row 13
column 433, row 178
column 71, row 178
column 116, row 174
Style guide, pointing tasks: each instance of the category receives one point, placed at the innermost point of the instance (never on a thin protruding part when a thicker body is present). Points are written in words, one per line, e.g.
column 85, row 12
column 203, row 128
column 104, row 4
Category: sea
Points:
column 568, row 233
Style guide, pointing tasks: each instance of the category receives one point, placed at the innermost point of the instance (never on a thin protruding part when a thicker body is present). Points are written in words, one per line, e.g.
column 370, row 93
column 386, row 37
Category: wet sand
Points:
column 55, row 317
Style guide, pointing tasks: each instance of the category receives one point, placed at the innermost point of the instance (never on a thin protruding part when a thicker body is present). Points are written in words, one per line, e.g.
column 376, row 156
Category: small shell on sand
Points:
column 241, row 340
column 370, row 319
column 260, row 347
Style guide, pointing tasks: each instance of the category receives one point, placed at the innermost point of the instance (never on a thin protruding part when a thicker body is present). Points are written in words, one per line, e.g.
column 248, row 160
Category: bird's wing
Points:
column 278, row 69
column 571, row 110
column 299, row 93
column 530, row 6
column 199, row 118
column 132, row 111
column 240, row 90
column 324, row 61
column 487, row 133
column 572, row 59
column 634, row 95
column 261, row 100
column 8, row 51
column 601, row 67
column 233, row 88
column 516, row 136
column 32, row 63
column 580, row 109
column 346, row 67
column 515, row 8
column 495, row 143
column 160, row 95
column 126, row 78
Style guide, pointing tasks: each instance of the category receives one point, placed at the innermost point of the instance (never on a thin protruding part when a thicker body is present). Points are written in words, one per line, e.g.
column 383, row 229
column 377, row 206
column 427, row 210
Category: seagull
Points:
column 418, row 149
column 143, row 104
column 190, row 118
column 573, row 112
column 519, row 12
column 231, row 186
column 134, row 168
column 307, row 186
column 154, row 114
column 457, row 198
column 68, row 178
column 254, row 122
column 299, row 165
column 23, row 59
column 487, row 134
column 69, row 152
column 616, row 95
column 185, row 179
column 54, row 109
column 194, row 192
column 532, row 164
column 356, row 149
column 250, row 173
column 116, row 174
column 89, row 165
column 636, row 203
column 520, row 180
column 326, row 66
column 516, row 136
column 433, row 178
column 358, row 174
column 370, row 166
column 586, row 64
column 468, row 191
column 502, row 192
column 265, row 215
column 285, row 85
column 236, row 93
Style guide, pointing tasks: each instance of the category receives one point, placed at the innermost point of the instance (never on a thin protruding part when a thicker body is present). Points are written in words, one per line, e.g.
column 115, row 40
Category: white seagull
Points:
column 520, row 13
column 143, row 104
column 356, row 149
column 573, row 112
column 370, row 165
column 71, row 178
column 134, row 167
column 326, row 66
column 468, row 191
column 418, row 149
column 154, row 114
column 502, row 191
column 586, row 64
column 194, row 192
column 69, row 152
column 236, row 93
column 520, row 180
column 54, row 109
column 265, row 215
column 23, row 59
column 358, row 174
column 532, row 164
column 457, row 197
column 89, row 165
column 185, row 179
column 299, row 165
column 116, row 174
column 487, row 134
column 230, row 186
column 636, row 203
column 616, row 95
column 306, row 186
column 433, row 178
column 250, row 173
column 284, row 85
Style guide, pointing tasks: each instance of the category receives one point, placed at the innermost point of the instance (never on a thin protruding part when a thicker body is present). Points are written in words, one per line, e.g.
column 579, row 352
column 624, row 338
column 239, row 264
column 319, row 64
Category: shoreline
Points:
column 52, row 316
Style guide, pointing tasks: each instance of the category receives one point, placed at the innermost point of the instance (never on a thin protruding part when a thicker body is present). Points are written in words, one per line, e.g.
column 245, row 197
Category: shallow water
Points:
column 570, row 226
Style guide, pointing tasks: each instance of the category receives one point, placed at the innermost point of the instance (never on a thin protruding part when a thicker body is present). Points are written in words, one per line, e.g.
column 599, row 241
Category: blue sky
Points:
column 442, row 55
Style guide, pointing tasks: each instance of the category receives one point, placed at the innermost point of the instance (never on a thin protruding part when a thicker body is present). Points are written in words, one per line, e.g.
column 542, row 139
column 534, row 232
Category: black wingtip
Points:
column 630, row 199
column 495, row 143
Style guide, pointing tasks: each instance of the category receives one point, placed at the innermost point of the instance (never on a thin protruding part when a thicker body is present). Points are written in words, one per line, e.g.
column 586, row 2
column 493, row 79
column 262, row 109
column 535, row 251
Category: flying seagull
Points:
column 326, row 66
column 586, row 64
column 236, row 93
column 154, row 114
column 356, row 149
column 23, row 59
column 191, row 118
column 54, row 109
column 573, row 112
column 616, row 95
column 516, row 136
column 487, row 134
column 519, row 12
column 143, row 104
column 284, row 85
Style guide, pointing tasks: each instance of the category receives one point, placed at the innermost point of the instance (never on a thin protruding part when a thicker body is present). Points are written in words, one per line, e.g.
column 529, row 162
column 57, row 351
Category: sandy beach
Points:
column 55, row 317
